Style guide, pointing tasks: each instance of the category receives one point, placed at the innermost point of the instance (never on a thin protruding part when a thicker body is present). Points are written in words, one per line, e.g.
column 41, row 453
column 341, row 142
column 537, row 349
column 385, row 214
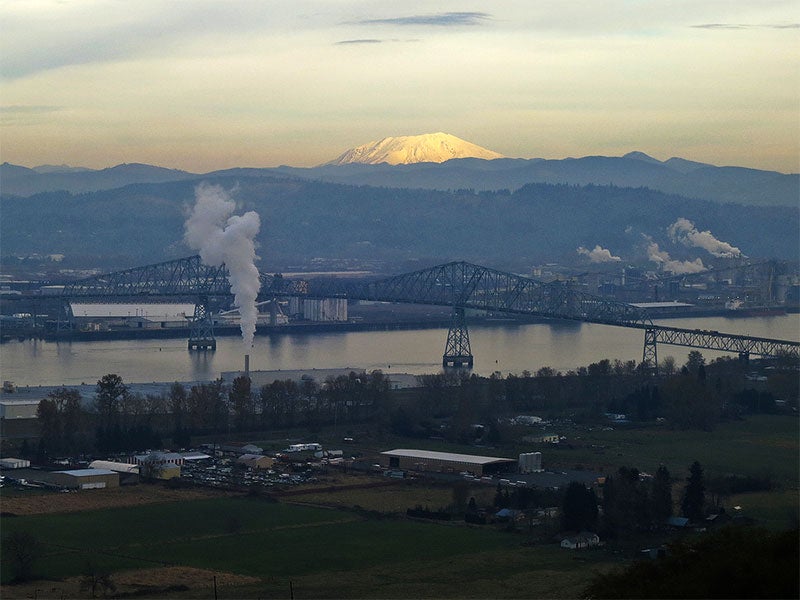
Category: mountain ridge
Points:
column 738, row 185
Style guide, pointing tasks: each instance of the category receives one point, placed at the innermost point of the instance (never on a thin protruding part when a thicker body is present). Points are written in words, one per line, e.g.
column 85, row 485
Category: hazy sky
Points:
column 209, row 84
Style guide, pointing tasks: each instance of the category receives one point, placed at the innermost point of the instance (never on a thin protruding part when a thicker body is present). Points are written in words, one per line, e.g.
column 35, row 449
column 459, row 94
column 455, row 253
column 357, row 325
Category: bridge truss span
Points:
column 459, row 285
column 726, row 342
column 187, row 277
column 464, row 285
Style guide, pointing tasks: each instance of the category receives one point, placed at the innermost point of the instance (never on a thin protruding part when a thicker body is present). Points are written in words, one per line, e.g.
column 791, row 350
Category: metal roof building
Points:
column 444, row 462
column 86, row 479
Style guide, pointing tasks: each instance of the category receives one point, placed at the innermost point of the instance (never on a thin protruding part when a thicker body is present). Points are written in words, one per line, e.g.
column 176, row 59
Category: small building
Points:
column 128, row 473
column 159, row 458
column 195, row 455
column 18, row 409
column 86, row 479
column 167, row 471
column 444, row 462
column 240, row 448
column 584, row 539
column 256, row 461
column 14, row 463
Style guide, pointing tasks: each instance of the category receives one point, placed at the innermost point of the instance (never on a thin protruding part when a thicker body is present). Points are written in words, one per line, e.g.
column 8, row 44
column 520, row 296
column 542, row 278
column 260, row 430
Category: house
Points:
column 507, row 514
column 584, row 539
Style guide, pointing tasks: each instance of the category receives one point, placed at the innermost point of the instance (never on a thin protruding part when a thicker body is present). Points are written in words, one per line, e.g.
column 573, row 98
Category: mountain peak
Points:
column 636, row 155
column 403, row 150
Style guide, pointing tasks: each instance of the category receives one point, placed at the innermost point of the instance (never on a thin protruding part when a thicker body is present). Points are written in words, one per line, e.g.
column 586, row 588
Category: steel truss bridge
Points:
column 459, row 285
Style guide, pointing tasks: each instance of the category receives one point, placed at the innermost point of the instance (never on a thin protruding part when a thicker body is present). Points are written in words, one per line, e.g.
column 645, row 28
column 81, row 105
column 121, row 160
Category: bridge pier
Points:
column 650, row 352
column 457, row 351
column 201, row 335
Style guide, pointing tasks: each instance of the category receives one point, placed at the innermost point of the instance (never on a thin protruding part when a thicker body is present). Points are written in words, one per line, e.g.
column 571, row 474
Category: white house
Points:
column 585, row 539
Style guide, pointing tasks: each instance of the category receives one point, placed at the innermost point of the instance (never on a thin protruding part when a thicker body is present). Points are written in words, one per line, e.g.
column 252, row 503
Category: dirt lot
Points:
column 94, row 499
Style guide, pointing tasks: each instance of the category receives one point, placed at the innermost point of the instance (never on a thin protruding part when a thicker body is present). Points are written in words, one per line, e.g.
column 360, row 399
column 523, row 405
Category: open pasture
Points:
column 331, row 552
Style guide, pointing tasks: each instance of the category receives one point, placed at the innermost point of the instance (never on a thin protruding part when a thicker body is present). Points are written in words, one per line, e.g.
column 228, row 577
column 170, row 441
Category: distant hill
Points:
column 22, row 181
column 674, row 176
column 302, row 220
column 410, row 149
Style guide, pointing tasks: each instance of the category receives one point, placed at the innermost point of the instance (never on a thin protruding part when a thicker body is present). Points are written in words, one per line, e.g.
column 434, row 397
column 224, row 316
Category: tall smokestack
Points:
column 247, row 365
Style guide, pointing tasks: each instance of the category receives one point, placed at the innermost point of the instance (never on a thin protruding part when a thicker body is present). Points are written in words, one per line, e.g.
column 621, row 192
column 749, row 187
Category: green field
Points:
column 335, row 553
column 759, row 445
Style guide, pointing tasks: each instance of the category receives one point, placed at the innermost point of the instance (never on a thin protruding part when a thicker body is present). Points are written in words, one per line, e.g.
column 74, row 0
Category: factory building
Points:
column 444, row 462
column 530, row 462
column 18, row 409
column 14, row 463
column 319, row 309
column 86, row 479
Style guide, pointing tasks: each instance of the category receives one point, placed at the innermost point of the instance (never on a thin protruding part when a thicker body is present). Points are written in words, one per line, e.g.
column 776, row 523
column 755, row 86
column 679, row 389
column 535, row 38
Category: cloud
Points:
column 367, row 41
column 683, row 231
column 598, row 255
column 447, row 19
column 69, row 34
column 746, row 26
column 666, row 263
column 26, row 114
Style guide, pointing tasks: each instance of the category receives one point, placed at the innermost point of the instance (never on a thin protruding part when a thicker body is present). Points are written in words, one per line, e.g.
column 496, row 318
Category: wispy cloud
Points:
column 24, row 114
column 446, row 19
column 747, row 26
column 367, row 41
column 28, row 109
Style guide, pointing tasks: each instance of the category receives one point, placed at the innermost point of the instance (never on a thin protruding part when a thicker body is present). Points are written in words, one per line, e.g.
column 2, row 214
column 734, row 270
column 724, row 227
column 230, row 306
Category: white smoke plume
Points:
column 678, row 267
column 598, row 255
column 222, row 237
column 684, row 231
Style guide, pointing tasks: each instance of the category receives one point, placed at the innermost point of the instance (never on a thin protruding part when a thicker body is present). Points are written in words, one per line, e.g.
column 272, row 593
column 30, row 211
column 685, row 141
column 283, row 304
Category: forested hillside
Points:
column 300, row 220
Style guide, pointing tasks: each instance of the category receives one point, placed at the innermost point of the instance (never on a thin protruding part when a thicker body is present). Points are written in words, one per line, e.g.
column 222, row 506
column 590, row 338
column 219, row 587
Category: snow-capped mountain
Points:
column 408, row 149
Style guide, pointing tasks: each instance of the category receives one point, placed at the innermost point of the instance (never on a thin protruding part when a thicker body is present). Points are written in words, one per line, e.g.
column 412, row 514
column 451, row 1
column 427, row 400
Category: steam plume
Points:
column 679, row 267
column 222, row 237
column 684, row 231
column 598, row 255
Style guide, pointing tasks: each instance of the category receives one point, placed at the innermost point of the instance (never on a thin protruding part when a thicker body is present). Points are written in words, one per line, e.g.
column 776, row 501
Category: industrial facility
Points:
column 444, row 462
column 85, row 479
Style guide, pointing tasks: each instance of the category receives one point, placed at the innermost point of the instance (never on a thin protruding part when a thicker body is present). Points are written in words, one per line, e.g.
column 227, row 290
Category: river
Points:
column 506, row 347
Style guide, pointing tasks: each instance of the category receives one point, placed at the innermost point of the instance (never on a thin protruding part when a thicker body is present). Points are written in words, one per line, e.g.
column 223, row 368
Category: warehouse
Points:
column 86, row 479
column 128, row 474
column 14, row 463
column 444, row 462
column 18, row 409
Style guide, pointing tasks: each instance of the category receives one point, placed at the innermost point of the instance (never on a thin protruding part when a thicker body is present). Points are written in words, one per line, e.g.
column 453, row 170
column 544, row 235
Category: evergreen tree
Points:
column 694, row 494
column 661, row 499
column 579, row 510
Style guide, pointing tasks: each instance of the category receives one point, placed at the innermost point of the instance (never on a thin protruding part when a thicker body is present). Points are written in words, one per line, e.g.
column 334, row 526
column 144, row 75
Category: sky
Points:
column 208, row 84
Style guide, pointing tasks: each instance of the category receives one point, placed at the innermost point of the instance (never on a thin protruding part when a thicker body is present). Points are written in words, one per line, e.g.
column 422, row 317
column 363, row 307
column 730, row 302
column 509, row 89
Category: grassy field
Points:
column 759, row 445
column 327, row 552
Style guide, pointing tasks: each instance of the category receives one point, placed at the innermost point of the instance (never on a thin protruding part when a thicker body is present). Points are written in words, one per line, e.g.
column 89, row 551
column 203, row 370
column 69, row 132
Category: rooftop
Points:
column 431, row 455
column 88, row 472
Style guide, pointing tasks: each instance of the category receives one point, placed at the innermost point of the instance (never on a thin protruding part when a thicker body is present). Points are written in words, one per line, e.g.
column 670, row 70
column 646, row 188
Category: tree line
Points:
column 119, row 420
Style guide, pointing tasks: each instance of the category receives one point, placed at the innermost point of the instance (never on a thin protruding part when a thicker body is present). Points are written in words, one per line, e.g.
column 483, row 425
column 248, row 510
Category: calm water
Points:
column 507, row 348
